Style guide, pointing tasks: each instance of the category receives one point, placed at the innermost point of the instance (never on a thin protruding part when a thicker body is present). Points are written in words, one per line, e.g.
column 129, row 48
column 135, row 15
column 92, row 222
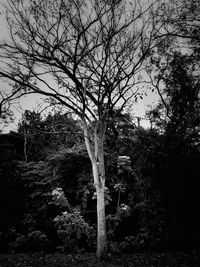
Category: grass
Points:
column 153, row 259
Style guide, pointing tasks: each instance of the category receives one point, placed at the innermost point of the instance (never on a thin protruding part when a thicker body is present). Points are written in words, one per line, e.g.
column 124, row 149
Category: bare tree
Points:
column 84, row 55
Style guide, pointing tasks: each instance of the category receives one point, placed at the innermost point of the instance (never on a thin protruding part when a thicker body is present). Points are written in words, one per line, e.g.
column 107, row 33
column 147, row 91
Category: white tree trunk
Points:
column 97, row 159
column 101, row 218
column 101, row 223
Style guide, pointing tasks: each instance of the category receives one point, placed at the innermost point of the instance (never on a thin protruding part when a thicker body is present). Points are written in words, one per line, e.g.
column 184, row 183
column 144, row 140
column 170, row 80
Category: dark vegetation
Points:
column 48, row 198
column 179, row 258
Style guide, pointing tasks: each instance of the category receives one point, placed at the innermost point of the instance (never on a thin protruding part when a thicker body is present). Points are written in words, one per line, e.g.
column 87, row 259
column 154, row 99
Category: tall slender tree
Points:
column 84, row 55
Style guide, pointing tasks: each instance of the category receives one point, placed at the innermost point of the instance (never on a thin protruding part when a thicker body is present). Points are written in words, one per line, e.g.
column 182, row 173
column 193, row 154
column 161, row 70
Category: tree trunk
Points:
column 97, row 159
column 101, row 223
column 99, row 175
column 100, row 189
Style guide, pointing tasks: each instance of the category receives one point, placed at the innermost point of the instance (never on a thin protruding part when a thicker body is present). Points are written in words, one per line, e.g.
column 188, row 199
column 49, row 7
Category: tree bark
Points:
column 99, row 176
column 101, row 225
column 100, row 189
column 96, row 154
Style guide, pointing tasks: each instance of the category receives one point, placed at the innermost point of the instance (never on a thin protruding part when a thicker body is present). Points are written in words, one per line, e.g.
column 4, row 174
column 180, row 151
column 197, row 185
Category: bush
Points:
column 116, row 220
column 74, row 232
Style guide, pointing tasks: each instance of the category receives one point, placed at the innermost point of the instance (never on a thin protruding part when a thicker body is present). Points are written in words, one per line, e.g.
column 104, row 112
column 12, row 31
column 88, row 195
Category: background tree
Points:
column 44, row 134
column 175, row 75
column 177, row 118
column 84, row 55
column 178, row 110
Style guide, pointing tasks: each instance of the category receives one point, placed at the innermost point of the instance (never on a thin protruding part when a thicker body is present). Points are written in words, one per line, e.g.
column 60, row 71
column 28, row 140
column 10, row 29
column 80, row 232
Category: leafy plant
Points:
column 73, row 230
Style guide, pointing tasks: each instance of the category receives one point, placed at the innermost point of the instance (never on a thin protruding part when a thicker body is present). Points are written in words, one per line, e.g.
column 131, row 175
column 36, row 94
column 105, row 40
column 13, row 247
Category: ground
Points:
column 151, row 259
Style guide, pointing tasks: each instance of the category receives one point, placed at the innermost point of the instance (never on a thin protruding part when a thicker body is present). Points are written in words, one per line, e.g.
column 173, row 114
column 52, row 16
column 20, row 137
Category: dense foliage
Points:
column 48, row 199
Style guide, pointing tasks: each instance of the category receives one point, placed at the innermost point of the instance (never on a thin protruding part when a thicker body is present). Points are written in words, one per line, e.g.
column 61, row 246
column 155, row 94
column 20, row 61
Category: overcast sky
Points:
column 31, row 102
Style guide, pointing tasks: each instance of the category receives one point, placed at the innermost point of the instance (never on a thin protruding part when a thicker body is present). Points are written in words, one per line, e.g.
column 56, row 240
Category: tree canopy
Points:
column 83, row 54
